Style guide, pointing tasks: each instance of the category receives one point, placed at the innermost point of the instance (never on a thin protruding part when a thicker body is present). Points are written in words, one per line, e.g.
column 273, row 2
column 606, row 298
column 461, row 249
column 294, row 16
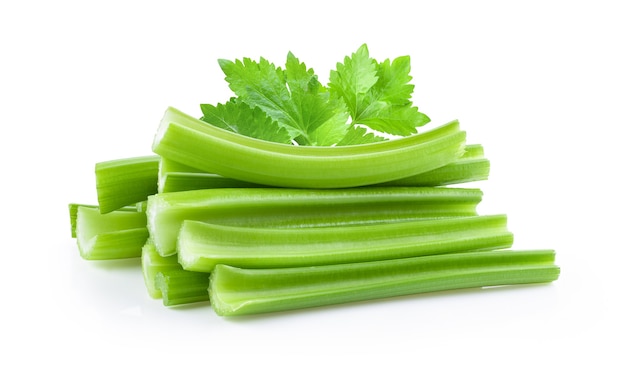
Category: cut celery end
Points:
column 115, row 235
column 235, row 291
column 189, row 141
column 151, row 264
column 280, row 207
column 73, row 211
column 122, row 182
column 202, row 246
column 180, row 287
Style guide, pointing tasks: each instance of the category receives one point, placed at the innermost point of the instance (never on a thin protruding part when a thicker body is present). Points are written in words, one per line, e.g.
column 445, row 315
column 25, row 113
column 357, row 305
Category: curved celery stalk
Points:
column 187, row 140
column 201, row 246
column 281, row 207
column 115, row 235
column 472, row 166
column 180, row 287
column 174, row 177
column 123, row 182
column 235, row 291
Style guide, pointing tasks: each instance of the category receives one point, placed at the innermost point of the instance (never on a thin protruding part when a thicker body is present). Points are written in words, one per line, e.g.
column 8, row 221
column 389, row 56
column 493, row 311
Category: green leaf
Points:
column 238, row 117
column 393, row 119
column 293, row 97
column 378, row 95
column 393, row 82
column 358, row 135
column 353, row 79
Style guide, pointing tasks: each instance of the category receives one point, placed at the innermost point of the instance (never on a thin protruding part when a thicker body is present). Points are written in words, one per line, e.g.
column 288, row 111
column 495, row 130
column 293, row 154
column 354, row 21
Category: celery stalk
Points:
column 236, row 291
column 123, row 182
column 472, row 166
column 189, row 141
column 115, row 235
column 201, row 245
column 182, row 287
column 281, row 207
column 152, row 263
column 174, row 177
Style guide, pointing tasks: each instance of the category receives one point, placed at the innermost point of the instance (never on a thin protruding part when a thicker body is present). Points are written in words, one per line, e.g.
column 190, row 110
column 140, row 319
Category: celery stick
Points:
column 236, row 291
column 73, row 209
column 115, row 235
column 174, row 176
column 181, row 181
column 201, row 245
column 123, row 182
column 472, row 166
column 182, row 287
column 152, row 264
column 281, row 207
column 165, row 278
column 187, row 140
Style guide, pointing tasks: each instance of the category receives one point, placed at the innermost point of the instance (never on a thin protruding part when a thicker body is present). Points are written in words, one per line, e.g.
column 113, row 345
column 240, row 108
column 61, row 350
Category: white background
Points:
column 541, row 84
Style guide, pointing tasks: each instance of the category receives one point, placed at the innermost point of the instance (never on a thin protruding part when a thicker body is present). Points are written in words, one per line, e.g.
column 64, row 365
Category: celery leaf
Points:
column 293, row 97
column 238, row 117
column 378, row 95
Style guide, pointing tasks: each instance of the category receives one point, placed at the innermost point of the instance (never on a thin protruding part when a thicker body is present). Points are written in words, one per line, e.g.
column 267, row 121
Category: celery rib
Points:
column 201, row 246
column 235, row 291
column 189, row 141
column 472, row 166
column 122, row 182
column 180, row 287
column 115, row 235
column 281, row 207
column 152, row 263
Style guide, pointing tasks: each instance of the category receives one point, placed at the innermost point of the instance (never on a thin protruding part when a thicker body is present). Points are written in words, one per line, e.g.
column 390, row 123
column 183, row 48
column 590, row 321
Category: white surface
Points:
column 539, row 83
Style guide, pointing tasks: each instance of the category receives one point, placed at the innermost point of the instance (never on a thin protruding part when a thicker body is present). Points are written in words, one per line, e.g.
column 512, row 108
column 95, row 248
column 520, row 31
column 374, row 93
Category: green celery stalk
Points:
column 174, row 176
column 115, row 235
column 73, row 210
column 472, row 166
column 152, row 263
column 180, row 287
column 165, row 278
column 282, row 207
column 236, row 291
column 189, row 141
column 123, row 182
column 201, row 245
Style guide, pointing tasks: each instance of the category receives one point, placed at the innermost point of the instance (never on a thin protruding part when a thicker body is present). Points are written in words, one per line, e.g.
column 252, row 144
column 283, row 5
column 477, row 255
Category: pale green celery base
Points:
column 234, row 291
